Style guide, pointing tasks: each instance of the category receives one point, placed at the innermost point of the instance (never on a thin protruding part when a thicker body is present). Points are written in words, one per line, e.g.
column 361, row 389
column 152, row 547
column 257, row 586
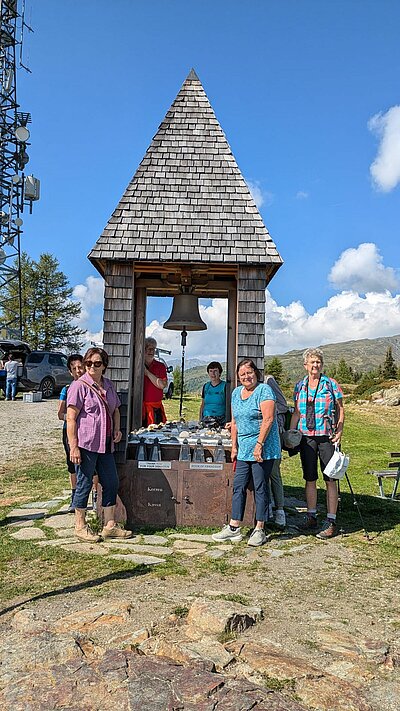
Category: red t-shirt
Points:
column 150, row 392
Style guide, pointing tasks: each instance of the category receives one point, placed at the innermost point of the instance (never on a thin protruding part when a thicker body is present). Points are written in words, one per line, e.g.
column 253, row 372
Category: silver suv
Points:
column 45, row 371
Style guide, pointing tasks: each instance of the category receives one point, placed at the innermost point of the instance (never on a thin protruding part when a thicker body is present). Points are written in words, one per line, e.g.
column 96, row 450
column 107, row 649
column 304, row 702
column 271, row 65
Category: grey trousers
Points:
column 276, row 484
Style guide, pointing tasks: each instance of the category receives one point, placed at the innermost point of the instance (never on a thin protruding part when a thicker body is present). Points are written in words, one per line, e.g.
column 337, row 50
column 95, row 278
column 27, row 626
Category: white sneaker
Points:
column 257, row 538
column 280, row 518
column 226, row 534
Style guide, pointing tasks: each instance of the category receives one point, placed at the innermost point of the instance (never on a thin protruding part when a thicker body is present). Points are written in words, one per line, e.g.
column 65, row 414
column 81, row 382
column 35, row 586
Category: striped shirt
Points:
column 324, row 404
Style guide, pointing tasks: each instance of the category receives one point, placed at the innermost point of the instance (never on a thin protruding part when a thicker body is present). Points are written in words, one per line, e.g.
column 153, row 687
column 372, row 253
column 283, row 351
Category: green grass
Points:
column 191, row 407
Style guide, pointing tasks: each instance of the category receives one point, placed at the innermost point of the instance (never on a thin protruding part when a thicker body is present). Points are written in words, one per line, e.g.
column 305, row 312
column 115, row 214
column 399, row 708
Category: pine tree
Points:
column 343, row 372
column 274, row 367
column 389, row 370
column 47, row 309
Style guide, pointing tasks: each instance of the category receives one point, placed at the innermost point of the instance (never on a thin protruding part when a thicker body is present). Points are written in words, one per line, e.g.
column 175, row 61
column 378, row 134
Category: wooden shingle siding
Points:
column 117, row 338
column 251, row 315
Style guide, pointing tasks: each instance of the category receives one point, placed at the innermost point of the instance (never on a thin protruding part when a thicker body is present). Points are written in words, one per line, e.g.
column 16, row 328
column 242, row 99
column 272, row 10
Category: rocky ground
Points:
column 298, row 624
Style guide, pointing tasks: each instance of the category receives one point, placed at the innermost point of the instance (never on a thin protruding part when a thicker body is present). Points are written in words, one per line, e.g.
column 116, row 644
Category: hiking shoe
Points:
column 310, row 523
column 86, row 534
column 257, row 538
column 328, row 530
column 226, row 534
column 115, row 532
column 280, row 519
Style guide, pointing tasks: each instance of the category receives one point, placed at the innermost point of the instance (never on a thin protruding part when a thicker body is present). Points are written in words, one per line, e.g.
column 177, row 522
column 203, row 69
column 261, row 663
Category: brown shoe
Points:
column 86, row 534
column 310, row 523
column 115, row 532
column 328, row 530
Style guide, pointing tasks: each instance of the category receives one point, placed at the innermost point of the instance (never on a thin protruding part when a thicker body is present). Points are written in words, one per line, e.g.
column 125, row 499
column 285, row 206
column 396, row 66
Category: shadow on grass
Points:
column 120, row 575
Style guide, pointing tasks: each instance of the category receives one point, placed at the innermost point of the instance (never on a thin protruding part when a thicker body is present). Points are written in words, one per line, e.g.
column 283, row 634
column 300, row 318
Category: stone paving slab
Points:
column 28, row 534
column 199, row 537
column 65, row 532
column 26, row 514
column 139, row 559
column 137, row 548
column 183, row 545
column 215, row 554
column 42, row 504
column 154, row 540
column 19, row 524
column 57, row 542
column 66, row 520
column 81, row 547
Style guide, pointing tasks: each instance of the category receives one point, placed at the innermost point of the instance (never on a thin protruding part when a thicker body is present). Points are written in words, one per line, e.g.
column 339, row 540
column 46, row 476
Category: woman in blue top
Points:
column 255, row 446
column 213, row 394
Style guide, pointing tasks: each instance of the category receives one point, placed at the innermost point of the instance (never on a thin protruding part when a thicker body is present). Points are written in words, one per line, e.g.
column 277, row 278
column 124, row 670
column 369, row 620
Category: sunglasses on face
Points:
column 94, row 363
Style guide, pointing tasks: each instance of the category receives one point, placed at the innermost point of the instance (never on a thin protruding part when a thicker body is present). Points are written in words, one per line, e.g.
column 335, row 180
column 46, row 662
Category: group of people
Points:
column 89, row 408
column 318, row 416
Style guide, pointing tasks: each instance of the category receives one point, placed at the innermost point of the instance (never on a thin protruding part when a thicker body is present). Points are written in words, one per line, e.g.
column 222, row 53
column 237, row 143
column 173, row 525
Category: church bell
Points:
column 185, row 314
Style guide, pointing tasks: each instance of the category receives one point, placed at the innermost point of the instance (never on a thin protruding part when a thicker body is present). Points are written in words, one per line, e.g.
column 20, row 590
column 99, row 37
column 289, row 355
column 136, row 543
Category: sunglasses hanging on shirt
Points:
column 310, row 408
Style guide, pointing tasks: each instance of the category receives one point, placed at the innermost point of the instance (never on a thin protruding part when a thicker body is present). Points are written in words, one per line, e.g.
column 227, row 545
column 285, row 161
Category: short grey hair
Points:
column 310, row 352
column 150, row 341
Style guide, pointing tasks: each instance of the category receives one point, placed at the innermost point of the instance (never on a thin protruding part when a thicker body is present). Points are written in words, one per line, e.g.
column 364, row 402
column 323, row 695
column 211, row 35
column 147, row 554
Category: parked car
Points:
column 44, row 371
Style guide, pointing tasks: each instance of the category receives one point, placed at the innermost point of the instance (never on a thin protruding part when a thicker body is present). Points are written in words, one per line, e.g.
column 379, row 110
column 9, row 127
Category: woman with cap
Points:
column 319, row 416
column 255, row 446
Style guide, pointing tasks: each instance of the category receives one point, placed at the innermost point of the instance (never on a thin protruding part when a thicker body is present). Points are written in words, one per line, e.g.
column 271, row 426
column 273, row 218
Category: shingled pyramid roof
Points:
column 188, row 200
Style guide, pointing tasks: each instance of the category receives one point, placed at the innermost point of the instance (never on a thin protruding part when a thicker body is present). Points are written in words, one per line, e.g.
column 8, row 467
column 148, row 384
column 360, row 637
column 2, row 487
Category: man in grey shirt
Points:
column 11, row 368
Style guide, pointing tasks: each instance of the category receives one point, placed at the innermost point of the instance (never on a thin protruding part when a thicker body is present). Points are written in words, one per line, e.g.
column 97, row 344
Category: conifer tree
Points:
column 47, row 310
column 389, row 370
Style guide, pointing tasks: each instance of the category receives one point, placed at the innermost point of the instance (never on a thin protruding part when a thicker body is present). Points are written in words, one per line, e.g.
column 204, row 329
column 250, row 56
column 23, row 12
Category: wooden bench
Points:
column 392, row 472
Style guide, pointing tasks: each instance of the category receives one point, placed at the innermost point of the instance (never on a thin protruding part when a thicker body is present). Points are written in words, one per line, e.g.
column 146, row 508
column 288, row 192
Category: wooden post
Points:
column 138, row 367
column 231, row 349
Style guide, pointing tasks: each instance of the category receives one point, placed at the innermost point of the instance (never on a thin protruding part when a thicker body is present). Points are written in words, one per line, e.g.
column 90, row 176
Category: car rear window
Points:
column 35, row 358
column 55, row 360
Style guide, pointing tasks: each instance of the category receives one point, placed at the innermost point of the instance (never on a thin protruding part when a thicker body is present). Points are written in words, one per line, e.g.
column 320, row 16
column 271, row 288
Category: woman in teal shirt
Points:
column 213, row 394
column 255, row 446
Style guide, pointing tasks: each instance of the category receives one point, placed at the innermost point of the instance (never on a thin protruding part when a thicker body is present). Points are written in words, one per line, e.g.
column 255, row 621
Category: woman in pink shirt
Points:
column 93, row 427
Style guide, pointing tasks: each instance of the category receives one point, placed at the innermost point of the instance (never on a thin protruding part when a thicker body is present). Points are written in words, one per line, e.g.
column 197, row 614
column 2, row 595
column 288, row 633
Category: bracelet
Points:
column 260, row 443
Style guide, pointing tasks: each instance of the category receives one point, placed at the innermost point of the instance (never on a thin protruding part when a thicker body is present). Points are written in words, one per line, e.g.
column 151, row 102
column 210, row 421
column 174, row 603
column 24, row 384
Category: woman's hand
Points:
column 75, row 455
column 117, row 436
column 258, row 452
column 234, row 453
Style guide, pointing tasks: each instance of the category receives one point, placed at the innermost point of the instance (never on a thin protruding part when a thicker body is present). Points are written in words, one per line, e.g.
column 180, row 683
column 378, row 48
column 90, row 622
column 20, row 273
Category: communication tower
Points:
column 17, row 190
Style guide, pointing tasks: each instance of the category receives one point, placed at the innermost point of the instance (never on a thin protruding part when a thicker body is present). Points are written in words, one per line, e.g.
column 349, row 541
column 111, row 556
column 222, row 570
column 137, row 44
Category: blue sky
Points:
column 308, row 94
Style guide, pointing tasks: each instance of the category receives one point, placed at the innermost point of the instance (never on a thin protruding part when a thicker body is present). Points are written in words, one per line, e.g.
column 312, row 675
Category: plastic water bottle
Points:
column 198, row 454
column 219, row 452
column 155, row 452
column 184, row 454
column 141, row 454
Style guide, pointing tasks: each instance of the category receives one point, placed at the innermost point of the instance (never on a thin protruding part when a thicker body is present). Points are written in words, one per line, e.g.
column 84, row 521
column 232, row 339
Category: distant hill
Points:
column 362, row 355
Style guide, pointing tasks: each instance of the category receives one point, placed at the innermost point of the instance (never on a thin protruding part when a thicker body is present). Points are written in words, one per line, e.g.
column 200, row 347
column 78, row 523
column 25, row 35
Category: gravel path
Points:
column 27, row 426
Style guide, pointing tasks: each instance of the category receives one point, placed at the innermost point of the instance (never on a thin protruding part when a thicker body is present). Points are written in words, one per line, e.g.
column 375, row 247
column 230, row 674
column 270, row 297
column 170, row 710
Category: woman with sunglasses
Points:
column 93, row 427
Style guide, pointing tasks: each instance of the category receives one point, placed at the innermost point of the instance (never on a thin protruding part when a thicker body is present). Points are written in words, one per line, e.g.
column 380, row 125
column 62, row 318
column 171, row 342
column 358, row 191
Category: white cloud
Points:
column 91, row 296
column 260, row 196
column 346, row 316
column 385, row 170
column 302, row 195
column 361, row 269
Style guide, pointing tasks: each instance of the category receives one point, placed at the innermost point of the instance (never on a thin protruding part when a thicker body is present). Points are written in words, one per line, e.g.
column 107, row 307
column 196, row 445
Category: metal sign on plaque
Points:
column 204, row 466
column 154, row 465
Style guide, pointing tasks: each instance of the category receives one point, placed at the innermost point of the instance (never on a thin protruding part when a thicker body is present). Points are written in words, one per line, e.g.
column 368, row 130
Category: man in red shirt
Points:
column 155, row 380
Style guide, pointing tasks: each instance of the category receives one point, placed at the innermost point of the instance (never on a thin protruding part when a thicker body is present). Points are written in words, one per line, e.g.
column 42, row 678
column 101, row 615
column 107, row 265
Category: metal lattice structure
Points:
column 14, row 189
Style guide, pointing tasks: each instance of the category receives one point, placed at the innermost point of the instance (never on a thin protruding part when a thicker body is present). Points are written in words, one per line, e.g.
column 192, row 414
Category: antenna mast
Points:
column 16, row 189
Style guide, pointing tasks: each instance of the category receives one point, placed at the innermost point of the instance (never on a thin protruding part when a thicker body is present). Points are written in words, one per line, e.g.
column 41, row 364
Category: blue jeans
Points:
column 259, row 472
column 11, row 388
column 102, row 464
